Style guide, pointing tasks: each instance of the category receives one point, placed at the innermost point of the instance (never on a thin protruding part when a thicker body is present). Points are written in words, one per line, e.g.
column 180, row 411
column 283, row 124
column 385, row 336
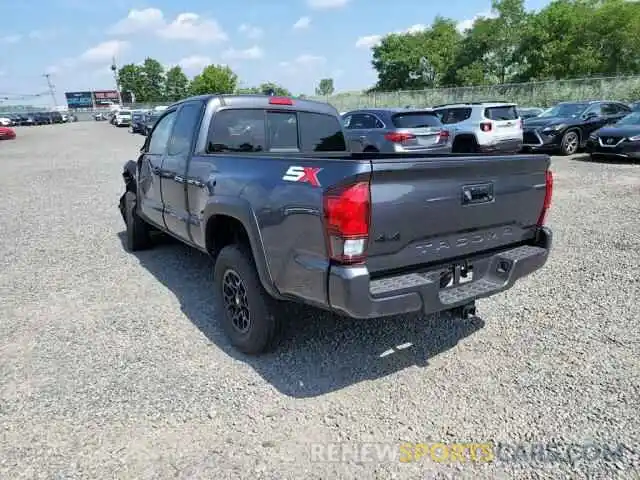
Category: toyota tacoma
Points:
column 268, row 188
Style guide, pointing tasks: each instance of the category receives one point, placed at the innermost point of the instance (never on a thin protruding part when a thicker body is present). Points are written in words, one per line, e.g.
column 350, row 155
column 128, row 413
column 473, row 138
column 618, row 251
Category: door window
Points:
column 609, row 109
column 160, row 136
column 363, row 121
column 184, row 129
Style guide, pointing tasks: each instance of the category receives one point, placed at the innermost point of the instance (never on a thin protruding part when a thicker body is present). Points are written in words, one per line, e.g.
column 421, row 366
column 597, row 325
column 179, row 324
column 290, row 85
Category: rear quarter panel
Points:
column 287, row 214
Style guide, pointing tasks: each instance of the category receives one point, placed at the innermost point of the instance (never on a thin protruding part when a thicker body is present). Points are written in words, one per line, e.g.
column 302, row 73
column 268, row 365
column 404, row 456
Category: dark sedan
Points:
column 621, row 140
column 566, row 127
column 150, row 121
column 138, row 121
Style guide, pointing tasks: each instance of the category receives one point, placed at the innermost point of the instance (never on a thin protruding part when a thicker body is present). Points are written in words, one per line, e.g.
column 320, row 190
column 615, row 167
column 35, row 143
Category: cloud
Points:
column 11, row 38
column 326, row 4
column 467, row 24
column 186, row 26
column 302, row 24
column 368, row 41
column 195, row 63
column 139, row 21
column 250, row 31
column 302, row 64
column 105, row 51
column 252, row 53
column 191, row 26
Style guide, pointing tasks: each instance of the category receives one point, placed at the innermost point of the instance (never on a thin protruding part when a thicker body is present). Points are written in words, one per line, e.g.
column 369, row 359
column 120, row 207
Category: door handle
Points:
column 156, row 170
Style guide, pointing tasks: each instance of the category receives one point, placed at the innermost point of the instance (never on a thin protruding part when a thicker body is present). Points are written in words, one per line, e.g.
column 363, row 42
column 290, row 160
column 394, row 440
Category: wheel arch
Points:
column 234, row 222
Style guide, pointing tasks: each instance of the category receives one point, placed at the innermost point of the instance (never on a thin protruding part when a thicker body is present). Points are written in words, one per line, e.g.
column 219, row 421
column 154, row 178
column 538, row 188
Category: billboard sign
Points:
column 103, row 98
column 79, row 99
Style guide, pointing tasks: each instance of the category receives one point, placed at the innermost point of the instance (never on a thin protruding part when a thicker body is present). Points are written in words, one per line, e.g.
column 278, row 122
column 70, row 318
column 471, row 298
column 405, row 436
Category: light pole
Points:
column 114, row 69
column 52, row 90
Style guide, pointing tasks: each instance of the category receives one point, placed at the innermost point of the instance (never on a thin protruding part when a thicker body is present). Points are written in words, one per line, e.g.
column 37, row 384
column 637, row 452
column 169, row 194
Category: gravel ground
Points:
column 95, row 383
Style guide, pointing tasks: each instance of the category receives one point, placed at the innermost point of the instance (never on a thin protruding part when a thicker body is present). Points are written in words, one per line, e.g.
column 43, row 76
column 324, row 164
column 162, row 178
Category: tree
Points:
column 176, row 84
column 325, row 87
column 416, row 60
column 263, row 88
column 214, row 79
column 130, row 80
column 153, row 80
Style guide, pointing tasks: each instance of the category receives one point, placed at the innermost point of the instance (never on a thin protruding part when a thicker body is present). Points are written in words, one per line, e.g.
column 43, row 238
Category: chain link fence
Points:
column 534, row 94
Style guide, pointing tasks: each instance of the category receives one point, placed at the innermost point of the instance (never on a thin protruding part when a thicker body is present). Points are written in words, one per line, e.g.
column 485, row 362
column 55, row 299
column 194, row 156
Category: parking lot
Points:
column 112, row 364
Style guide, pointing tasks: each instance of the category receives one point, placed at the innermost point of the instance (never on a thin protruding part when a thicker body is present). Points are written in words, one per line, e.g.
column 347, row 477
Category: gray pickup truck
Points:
column 267, row 187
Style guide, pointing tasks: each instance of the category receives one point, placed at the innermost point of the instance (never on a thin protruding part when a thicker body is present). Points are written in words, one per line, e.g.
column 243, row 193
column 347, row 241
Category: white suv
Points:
column 483, row 127
column 122, row 118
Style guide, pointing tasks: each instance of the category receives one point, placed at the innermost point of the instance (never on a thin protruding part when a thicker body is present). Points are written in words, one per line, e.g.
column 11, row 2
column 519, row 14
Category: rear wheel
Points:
column 570, row 143
column 464, row 145
column 248, row 317
column 138, row 232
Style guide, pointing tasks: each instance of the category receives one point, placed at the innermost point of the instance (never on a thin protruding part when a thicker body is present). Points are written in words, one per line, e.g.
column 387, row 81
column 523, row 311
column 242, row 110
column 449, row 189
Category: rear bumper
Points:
column 352, row 293
column 504, row 146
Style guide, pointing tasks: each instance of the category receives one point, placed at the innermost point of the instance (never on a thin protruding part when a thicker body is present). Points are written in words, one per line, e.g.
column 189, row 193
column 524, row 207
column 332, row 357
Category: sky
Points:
column 291, row 42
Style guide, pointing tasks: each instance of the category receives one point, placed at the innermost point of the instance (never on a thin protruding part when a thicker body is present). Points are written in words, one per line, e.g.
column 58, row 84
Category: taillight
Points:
column 486, row 126
column 548, row 193
column 519, row 124
column 399, row 137
column 443, row 136
column 347, row 214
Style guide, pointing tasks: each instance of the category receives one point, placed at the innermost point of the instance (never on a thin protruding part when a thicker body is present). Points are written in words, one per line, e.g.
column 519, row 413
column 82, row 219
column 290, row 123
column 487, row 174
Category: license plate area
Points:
column 456, row 275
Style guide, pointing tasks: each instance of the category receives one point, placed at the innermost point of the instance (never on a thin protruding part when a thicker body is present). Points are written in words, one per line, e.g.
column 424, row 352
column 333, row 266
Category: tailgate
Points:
column 431, row 210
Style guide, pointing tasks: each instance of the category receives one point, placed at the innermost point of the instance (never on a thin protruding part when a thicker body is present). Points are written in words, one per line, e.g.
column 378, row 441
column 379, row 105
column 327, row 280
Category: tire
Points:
column 464, row 145
column 253, row 332
column 137, row 235
column 570, row 143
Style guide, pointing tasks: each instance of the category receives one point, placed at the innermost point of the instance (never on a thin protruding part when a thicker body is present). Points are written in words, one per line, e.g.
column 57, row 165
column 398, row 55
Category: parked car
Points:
column 6, row 120
column 7, row 133
column 99, row 117
column 150, row 121
column 489, row 127
column 635, row 106
column 396, row 130
column 566, row 127
column 529, row 112
column 31, row 119
column 267, row 187
column 138, row 119
column 122, row 118
column 621, row 140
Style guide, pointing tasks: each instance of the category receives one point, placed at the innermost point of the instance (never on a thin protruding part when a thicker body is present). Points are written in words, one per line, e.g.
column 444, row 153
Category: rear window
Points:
column 506, row 112
column 415, row 120
column 259, row 130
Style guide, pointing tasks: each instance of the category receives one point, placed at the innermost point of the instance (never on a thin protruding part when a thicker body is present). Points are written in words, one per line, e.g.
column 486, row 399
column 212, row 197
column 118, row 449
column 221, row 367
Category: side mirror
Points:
column 590, row 115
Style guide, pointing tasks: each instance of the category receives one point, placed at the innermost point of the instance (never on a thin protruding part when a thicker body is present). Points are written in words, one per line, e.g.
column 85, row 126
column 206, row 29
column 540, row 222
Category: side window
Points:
column 358, row 120
column 321, row 133
column 237, row 131
column 346, row 121
column 184, row 129
column 282, row 128
column 378, row 124
column 594, row 109
column 609, row 109
column 160, row 135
